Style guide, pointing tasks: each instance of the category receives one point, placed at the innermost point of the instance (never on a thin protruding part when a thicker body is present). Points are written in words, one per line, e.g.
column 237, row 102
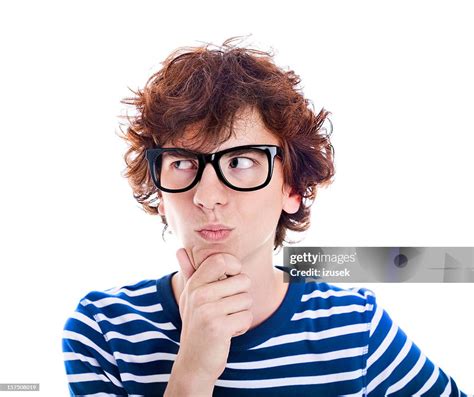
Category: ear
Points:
column 291, row 200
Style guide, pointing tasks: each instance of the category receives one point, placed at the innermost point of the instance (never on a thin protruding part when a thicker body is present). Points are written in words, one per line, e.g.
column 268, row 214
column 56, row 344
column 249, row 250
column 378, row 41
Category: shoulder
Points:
column 329, row 300
column 101, row 311
column 127, row 292
column 330, row 292
column 138, row 297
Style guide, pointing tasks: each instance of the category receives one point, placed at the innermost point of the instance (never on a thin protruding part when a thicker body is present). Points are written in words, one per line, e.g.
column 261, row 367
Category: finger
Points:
column 187, row 269
column 239, row 323
column 230, row 286
column 234, row 304
column 214, row 267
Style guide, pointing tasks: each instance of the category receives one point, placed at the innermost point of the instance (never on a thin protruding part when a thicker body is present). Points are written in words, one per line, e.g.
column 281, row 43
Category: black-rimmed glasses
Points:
column 243, row 168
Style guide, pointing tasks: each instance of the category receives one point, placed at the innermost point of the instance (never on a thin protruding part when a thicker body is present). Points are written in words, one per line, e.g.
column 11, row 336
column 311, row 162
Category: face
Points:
column 253, row 215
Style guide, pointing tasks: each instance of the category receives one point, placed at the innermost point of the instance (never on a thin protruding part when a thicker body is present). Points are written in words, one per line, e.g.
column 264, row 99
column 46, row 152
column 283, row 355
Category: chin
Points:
column 201, row 253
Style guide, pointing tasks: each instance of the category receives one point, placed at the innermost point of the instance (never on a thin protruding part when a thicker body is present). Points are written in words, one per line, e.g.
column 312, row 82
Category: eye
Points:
column 186, row 164
column 246, row 163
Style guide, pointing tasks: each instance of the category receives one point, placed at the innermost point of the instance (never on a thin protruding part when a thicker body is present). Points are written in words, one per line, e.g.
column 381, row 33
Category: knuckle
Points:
column 219, row 258
column 245, row 299
column 248, row 300
column 248, row 317
column 206, row 314
column 214, row 327
column 200, row 296
column 232, row 264
column 246, row 280
column 245, row 321
column 221, row 265
column 216, row 261
column 238, row 265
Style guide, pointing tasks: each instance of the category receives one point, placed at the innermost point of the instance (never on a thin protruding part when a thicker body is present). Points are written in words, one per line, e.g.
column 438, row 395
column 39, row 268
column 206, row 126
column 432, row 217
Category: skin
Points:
column 254, row 215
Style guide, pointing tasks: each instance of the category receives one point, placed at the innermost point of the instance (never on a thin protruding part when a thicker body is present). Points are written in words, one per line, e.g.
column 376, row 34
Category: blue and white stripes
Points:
column 322, row 340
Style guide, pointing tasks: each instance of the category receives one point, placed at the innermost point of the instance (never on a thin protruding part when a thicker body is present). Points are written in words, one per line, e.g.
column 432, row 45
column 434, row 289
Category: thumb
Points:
column 185, row 264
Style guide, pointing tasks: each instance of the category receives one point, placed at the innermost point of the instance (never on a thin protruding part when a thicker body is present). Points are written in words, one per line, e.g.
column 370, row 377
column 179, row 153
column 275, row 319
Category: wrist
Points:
column 184, row 383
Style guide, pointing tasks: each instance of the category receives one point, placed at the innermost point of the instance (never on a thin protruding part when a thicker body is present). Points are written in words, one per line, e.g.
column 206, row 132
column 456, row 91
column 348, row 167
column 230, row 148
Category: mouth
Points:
column 214, row 235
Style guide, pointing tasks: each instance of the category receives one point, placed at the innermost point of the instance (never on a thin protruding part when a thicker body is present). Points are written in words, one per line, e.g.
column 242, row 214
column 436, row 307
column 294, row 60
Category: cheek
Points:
column 177, row 212
column 262, row 212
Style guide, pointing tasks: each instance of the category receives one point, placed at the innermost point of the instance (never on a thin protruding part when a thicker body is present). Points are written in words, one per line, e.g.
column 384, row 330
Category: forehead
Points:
column 248, row 129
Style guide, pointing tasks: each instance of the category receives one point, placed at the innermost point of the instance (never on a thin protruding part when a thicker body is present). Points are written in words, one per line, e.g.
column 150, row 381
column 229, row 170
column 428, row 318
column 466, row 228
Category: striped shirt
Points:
column 322, row 340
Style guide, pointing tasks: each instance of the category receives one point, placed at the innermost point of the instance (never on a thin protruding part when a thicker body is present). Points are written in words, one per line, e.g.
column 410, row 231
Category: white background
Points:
column 396, row 76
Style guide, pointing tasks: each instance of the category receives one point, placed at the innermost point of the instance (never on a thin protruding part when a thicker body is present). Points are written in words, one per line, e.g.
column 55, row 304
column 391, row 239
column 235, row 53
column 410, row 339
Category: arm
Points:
column 90, row 366
column 395, row 365
column 184, row 384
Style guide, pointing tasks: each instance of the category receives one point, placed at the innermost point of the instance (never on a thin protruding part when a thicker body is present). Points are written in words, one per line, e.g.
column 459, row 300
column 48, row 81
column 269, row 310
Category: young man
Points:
column 228, row 148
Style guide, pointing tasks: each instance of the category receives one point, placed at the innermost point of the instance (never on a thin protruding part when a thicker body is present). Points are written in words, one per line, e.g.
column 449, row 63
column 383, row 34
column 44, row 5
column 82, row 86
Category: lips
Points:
column 215, row 235
column 214, row 227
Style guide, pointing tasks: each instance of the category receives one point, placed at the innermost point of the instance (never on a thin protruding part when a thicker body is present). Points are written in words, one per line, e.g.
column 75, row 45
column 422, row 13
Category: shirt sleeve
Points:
column 396, row 367
column 91, row 368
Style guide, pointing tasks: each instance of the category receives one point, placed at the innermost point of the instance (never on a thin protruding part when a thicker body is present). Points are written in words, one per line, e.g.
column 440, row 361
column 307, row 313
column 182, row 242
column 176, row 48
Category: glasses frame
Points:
column 213, row 158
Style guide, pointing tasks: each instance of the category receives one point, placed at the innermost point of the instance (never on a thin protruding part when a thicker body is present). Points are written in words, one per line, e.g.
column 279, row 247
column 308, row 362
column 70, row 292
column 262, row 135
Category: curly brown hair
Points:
column 205, row 88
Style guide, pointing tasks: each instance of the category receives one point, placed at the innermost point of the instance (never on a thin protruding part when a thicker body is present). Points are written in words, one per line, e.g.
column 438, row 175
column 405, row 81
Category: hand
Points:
column 213, row 309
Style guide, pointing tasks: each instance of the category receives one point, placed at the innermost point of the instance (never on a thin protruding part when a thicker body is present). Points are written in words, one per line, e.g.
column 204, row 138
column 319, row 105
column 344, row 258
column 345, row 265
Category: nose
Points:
column 210, row 190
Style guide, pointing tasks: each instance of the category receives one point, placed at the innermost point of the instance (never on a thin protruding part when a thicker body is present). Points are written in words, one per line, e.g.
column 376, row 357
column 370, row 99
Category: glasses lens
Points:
column 247, row 168
column 177, row 169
